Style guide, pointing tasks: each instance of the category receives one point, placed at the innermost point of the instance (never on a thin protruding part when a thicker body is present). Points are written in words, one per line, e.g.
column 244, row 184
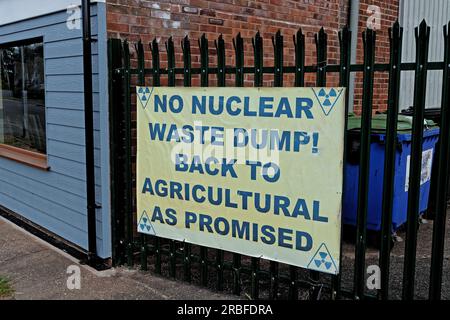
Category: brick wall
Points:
column 389, row 14
column 142, row 19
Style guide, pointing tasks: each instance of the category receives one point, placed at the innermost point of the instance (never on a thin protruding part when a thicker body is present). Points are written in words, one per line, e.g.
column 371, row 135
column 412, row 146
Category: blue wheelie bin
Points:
column 376, row 172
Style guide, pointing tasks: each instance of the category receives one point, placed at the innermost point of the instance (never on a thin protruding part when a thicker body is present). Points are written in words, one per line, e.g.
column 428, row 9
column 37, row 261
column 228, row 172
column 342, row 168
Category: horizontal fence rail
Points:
column 234, row 272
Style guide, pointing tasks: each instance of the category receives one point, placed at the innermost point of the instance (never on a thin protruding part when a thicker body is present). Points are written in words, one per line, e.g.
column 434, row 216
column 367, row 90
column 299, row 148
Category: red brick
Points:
column 135, row 19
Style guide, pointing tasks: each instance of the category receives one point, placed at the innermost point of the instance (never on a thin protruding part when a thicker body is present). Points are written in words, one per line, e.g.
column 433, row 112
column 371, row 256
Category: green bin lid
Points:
column 404, row 124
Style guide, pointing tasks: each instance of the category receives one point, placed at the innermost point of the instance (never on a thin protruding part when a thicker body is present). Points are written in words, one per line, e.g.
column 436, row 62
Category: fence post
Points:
column 369, row 38
column 154, row 48
column 422, row 35
column 127, row 169
column 395, row 40
column 141, row 82
column 116, row 158
column 440, row 219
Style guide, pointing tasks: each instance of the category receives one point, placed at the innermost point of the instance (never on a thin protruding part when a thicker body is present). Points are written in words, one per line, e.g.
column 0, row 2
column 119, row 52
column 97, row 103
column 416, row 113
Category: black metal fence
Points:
column 223, row 270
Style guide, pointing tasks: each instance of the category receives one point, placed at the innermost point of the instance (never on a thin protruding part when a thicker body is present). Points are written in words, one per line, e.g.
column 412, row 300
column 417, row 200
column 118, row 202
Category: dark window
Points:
column 22, row 96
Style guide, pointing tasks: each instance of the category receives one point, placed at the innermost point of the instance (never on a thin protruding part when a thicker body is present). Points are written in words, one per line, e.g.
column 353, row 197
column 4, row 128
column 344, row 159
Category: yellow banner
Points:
column 257, row 171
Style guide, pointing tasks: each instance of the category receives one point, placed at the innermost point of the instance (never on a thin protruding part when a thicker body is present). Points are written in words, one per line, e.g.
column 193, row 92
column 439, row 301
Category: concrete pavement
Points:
column 37, row 270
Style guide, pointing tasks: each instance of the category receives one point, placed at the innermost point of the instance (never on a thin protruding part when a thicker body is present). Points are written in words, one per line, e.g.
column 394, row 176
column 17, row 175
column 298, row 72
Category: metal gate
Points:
column 254, row 277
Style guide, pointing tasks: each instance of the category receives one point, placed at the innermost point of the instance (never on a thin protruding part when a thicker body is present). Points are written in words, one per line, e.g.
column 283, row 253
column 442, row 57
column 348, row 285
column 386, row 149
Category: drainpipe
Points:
column 89, row 133
column 353, row 18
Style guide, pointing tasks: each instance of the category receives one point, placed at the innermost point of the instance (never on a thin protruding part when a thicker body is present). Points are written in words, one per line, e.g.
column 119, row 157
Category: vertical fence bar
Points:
column 274, row 266
column 257, row 42
column 127, row 171
column 220, row 270
column 254, row 288
column 345, row 36
column 186, row 47
column 277, row 42
column 278, row 47
column 274, row 280
column 321, row 40
column 154, row 47
column 369, row 38
column 422, row 35
column 395, row 40
column 219, row 266
column 221, row 62
column 204, row 61
column 171, row 82
column 141, row 63
column 204, row 80
column 221, row 82
column 238, row 45
column 239, row 81
column 221, row 77
column 141, row 82
column 437, row 254
column 293, row 286
column 299, row 44
column 258, row 82
column 116, row 158
column 170, row 62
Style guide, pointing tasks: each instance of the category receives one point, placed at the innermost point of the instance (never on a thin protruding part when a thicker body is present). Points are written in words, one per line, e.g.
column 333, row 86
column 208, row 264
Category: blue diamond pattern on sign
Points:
column 144, row 224
column 144, row 94
column 323, row 261
column 327, row 98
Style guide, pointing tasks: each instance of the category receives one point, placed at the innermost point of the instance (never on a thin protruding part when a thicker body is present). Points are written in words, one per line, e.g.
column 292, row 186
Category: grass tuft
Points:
column 5, row 288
